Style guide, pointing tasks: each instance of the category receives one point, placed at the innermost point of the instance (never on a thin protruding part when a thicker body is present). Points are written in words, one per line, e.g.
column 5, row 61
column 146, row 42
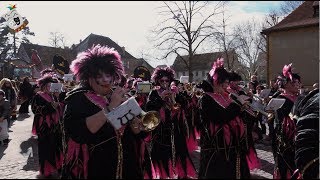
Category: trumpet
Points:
column 198, row 93
column 170, row 97
column 150, row 120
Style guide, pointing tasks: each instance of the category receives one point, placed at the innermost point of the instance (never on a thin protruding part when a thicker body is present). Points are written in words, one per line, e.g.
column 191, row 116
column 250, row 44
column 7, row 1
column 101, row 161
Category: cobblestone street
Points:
column 20, row 159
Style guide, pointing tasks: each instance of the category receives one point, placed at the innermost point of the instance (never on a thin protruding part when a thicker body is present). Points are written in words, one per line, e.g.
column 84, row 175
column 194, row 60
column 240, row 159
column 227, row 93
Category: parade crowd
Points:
column 218, row 115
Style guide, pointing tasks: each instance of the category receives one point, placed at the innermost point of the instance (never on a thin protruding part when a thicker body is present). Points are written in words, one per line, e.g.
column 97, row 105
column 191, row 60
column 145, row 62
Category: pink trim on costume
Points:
column 162, row 114
column 192, row 144
column 288, row 127
column 161, row 173
column 45, row 96
column 252, row 159
column 190, row 171
column 197, row 133
column 222, row 99
column 73, row 152
column 48, row 169
column 96, row 99
column 85, row 155
column 59, row 161
column 235, row 124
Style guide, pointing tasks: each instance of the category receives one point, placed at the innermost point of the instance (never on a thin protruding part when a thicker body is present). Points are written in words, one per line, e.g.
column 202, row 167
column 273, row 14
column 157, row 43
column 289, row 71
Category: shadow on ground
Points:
column 30, row 147
column 2, row 149
column 22, row 116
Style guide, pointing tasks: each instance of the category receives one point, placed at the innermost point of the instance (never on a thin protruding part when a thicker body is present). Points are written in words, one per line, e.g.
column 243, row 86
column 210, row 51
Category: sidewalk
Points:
column 19, row 160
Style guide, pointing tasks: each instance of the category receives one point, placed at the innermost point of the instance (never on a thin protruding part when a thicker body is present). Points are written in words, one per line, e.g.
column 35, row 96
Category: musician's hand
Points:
column 56, row 94
column 165, row 93
column 55, row 104
column 245, row 104
column 250, row 94
column 117, row 97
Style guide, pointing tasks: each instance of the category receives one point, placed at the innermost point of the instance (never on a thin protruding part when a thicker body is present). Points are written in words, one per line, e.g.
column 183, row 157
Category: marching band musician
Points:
column 306, row 112
column 223, row 135
column 248, row 118
column 283, row 139
column 94, row 148
column 191, row 98
column 48, row 113
column 169, row 152
column 141, row 98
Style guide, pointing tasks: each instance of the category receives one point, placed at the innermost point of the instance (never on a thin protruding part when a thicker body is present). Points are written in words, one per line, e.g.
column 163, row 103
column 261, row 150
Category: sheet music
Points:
column 68, row 77
column 184, row 79
column 56, row 87
column 274, row 104
column 124, row 113
column 265, row 93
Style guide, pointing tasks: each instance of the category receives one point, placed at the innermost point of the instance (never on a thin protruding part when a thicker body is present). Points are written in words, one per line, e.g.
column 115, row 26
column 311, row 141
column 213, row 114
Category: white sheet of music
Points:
column 124, row 113
column 56, row 87
column 264, row 93
column 68, row 77
column 274, row 104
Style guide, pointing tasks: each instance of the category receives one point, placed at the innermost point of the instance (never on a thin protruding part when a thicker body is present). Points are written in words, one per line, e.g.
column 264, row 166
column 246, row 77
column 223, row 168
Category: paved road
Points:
column 20, row 159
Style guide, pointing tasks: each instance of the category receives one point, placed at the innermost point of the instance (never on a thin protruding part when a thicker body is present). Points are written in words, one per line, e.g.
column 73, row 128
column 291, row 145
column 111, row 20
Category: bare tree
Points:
column 185, row 28
column 288, row 6
column 270, row 20
column 57, row 39
column 227, row 43
column 249, row 39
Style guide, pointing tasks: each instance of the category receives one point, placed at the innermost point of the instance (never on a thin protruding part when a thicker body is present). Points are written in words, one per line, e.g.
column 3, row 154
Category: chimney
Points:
column 123, row 50
column 315, row 8
column 80, row 40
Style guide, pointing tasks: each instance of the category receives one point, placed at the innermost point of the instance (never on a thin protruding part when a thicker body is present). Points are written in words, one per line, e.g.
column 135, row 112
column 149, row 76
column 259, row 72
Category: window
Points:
column 203, row 73
column 183, row 73
column 196, row 73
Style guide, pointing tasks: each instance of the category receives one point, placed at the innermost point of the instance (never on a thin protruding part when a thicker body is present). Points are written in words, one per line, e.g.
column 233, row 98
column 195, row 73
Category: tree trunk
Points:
column 14, row 44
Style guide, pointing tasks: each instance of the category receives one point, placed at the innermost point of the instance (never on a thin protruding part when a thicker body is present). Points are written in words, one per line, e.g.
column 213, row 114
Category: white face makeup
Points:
column 102, row 83
column 104, row 79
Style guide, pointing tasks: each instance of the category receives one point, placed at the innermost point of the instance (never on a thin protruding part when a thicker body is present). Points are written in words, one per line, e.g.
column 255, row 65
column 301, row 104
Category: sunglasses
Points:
column 161, row 80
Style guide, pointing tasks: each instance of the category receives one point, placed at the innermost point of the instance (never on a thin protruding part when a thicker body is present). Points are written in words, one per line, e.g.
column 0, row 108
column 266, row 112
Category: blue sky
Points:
column 126, row 23
column 258, row 6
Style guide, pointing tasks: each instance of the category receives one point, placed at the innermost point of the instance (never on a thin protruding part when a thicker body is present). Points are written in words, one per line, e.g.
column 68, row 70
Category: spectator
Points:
column 255, row 83
column 10, row 95
column 25, row 93
column 4, row 115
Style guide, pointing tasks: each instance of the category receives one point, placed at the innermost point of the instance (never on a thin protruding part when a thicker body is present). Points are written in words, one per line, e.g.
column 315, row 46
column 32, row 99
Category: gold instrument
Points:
column 188, row 87
column 198, row 92
column 251, row 110
column 150, row 120
column 170, row 99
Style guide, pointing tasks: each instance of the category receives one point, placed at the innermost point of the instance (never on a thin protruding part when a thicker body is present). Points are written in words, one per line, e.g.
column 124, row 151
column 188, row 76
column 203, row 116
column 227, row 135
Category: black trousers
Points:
column 24, row 108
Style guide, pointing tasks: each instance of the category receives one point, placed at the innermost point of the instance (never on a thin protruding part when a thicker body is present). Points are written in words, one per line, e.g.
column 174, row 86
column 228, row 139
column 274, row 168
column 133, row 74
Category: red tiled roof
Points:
column 300, row 17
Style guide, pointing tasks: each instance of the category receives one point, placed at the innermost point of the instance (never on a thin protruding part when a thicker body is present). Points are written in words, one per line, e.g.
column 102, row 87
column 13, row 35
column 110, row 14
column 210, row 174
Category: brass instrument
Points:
column 150, row 120
column 170, row 99
column 251, row 110
column 198, row 92
column 188, row 88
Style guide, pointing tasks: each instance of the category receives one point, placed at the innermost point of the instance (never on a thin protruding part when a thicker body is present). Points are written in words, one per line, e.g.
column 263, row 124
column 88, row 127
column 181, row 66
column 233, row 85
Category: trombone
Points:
column 251, row 110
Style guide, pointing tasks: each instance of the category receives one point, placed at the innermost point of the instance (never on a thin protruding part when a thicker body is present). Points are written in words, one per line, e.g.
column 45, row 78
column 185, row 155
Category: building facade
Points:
column 202, row 64
column 295, row 40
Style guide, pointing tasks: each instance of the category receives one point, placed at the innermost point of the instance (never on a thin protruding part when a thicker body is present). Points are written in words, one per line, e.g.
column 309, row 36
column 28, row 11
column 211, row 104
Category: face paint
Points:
column 104, row 79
